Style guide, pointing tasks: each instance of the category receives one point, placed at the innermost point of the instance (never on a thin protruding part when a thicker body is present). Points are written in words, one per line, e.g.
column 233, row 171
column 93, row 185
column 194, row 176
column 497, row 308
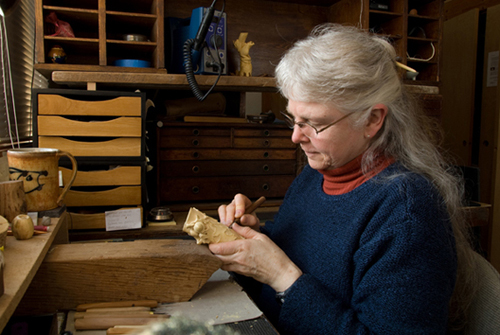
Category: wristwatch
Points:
column 280, row 296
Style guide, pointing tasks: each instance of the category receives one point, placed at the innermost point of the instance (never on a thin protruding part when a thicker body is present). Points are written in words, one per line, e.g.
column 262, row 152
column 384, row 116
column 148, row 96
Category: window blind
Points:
column 18, row 40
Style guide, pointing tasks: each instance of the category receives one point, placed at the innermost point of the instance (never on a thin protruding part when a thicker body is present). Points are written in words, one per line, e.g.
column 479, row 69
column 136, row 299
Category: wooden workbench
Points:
column 22, row 260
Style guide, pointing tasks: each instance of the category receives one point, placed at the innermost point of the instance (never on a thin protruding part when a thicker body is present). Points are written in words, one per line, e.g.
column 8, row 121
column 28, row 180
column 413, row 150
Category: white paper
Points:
column 123, row 219
column 219, row 301
column 34, row 217
column 492, row 71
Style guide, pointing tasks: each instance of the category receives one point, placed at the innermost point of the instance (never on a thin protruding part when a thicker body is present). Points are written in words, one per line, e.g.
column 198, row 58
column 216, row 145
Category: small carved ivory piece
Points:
column 243, row 48
column 207, row 230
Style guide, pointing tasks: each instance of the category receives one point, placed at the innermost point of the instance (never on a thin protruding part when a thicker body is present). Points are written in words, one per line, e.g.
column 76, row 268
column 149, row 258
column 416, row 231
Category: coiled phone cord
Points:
column 188, row 67
column 188, row 46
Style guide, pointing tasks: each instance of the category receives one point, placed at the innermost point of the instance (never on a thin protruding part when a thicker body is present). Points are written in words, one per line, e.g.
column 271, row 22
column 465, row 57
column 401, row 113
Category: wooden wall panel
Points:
column 458, row 83
column 272, row 26
column 489, row 158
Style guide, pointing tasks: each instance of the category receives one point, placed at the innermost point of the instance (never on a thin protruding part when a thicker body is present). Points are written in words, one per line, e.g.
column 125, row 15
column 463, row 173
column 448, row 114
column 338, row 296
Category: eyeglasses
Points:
column 307, row 128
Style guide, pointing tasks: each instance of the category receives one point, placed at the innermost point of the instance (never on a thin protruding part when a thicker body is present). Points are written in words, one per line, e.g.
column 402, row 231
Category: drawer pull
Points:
column 266, row 143
column 265, row 168
column 196, row 154
column 265, row 187
column 267, row 132
column 266, row 154
column 195, row 189
column 196, row 132
column 196, row 169
column 196, row 143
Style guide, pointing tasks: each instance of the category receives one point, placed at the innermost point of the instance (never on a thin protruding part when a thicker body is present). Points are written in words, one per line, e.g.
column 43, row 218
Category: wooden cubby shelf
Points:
column 99, row 28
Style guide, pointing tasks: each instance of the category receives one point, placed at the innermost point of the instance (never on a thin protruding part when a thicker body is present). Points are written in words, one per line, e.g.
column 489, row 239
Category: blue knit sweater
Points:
column 377, row 260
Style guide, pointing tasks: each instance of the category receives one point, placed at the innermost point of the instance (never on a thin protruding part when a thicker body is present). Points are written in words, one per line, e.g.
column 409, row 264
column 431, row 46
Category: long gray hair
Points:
column 352, row 70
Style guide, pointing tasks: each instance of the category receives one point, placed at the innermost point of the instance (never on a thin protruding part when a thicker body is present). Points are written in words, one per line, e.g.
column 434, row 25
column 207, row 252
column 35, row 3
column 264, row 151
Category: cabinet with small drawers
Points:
column 199, row 162
column 105, row 132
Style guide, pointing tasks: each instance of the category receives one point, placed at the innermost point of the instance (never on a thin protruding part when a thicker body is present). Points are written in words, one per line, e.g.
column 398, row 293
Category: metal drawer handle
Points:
column 195, row 189
column 266, row 154
column 196, row 169
column 266, row 143
column 265, row 168
column 265, row 187
column 196, row 154
column 196, row 132
column 196, row 143
column 267, row 132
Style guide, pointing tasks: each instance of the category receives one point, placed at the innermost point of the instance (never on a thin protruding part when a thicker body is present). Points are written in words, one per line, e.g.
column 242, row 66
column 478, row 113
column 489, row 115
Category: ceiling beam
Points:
column 454, row 8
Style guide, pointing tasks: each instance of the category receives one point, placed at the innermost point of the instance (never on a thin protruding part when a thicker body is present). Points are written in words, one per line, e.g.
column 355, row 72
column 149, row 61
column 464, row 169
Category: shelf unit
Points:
column 390, row 24
column 424, row 33
column 414, row 27
column 99, row 27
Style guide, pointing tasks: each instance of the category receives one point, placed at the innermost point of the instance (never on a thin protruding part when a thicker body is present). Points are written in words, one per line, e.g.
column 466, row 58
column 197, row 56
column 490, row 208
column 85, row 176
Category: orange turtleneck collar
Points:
column 346, row 178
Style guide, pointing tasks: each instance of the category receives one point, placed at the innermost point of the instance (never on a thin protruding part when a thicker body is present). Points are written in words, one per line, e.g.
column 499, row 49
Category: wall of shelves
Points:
column 413, row 26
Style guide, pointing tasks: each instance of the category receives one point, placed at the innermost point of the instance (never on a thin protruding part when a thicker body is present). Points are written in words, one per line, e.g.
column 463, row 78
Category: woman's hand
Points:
column 257, row 256
column 236, row 209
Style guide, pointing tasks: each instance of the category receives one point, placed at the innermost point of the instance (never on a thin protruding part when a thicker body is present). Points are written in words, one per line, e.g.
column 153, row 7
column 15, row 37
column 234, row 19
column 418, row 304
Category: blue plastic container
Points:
column 132, row 63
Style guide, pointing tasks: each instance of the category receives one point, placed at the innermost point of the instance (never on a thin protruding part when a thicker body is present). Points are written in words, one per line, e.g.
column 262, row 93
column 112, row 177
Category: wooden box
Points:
column 165, row 270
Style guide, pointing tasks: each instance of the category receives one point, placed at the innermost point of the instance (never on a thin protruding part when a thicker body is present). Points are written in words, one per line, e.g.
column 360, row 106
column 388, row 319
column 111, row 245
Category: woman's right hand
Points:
column 236, row 209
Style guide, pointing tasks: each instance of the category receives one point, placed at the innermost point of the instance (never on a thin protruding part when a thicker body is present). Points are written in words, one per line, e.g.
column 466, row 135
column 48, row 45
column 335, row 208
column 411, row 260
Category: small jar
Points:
column 57, row 55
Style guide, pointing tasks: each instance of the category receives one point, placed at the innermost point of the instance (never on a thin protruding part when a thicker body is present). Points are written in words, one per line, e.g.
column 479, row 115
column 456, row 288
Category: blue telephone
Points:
column 202, row 38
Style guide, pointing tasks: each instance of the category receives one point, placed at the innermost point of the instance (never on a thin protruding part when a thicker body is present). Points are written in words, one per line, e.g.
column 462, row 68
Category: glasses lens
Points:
column 288, row 120
column 308, row 130
column 305, row 128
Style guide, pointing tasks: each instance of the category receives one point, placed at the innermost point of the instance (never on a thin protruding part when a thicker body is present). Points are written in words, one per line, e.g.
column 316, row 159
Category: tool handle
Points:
column 105, row 323
column 133, row 303
column 250, row 209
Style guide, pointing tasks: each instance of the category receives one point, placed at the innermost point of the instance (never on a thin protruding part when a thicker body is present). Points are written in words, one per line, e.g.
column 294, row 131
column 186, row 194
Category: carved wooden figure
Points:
column 243, row 48
column 206, row 229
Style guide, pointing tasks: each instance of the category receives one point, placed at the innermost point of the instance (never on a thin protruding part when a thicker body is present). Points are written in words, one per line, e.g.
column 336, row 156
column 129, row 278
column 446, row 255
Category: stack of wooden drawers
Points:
column 105, row 133
column 203, row 162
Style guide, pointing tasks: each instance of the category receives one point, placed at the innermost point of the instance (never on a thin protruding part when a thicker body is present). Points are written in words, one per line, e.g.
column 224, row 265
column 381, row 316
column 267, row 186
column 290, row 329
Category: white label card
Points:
column 492, row 71
column 123, row 219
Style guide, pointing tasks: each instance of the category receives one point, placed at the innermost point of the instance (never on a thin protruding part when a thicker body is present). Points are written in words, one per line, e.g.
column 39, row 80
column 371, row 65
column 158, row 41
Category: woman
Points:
column 369, row 238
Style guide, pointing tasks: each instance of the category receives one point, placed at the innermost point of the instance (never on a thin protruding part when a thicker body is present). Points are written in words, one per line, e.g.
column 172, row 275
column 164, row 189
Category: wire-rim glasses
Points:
column 290, row 122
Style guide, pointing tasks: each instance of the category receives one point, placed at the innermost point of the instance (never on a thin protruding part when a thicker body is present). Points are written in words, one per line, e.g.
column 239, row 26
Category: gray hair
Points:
column 352, row 70
column 179, row 325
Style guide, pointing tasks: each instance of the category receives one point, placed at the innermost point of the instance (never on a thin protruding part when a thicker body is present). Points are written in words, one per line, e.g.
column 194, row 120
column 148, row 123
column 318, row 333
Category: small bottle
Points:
column 57, row 55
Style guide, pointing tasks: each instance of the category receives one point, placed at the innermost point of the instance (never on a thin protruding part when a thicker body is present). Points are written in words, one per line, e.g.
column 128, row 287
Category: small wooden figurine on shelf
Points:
column 243, row 48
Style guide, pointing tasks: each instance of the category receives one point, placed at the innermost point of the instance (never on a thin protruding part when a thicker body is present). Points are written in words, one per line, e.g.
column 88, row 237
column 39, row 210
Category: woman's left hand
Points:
column 257, row 256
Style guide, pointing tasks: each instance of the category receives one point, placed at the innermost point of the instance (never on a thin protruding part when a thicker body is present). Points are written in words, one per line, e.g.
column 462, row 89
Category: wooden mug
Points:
column 38, row 168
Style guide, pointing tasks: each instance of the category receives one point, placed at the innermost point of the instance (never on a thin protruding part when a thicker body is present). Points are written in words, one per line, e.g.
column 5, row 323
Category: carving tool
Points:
column 405, row 67
column 105, row 323
column 249, row 210
column 115, row 304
